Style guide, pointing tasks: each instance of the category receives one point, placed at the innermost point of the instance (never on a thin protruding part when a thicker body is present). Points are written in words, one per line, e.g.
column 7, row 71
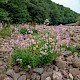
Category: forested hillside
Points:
column 22, row 11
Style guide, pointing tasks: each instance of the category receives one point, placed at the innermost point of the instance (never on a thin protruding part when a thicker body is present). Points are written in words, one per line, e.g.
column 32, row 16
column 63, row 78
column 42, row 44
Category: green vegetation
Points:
column 32, row 56
column 23, row 31
column 78, row 21
column 5, row 32
column 17, row 11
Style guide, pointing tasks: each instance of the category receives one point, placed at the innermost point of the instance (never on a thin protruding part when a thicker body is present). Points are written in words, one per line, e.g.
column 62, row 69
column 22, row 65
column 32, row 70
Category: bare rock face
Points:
column 76, row 62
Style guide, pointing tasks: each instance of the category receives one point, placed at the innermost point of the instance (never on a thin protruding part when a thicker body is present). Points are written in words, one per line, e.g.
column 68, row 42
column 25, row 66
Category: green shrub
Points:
column 32, row 57
column 73, row 50
column 5, row 32
column 23, row 31
column 35, row 31
column 78, row 21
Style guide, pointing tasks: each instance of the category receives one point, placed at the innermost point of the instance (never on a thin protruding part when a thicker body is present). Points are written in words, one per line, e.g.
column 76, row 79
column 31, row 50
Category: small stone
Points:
column 22, row 73
column 2, row 76
column 35, row 76
column 10, row 73
column 2, row 69
column 16, row 69
column 76, row 62
column 45, row 75
column 48, row 78
column 16, row 76
column 1, row 63
column 69, row 58
column 67, row 53
column 61, row 64
column 8, row 78
column 57, row 75
column 23, row 77
column 71, row 77
column 77, row 77
column 74, row 71
column 39, row 70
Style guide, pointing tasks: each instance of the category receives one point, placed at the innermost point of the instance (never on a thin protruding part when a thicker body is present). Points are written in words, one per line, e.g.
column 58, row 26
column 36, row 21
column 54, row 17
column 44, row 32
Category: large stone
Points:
column 74, row 71
column 39, row 70
column 10, row 73
column 76, row 62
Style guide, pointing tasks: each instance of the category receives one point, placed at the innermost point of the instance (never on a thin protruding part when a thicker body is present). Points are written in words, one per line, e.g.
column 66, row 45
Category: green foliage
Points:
column 35, row 31
column 22, row 11
column 3, row 1
column 73, row 50
column 78, row 21
column 4, row 15
column 23, row 31
column 5, row 32
column 31, row 57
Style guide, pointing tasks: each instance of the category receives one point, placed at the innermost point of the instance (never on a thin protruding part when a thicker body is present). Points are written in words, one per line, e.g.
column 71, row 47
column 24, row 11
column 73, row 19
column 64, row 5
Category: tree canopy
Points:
column 22, row 11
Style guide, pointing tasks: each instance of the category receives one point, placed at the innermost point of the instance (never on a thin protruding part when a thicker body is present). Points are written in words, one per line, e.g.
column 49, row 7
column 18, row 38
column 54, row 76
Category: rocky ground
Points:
column 66, row 67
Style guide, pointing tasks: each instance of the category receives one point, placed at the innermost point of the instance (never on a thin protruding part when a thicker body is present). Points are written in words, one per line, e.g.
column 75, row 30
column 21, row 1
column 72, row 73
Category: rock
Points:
column 8, row 78
column 10, row 73
column 39, row 70
column 23, row 77
column 16, row 69
column 69, row 58
column 45, row 75
column 16, row 76
column 1, row 55
column 22, row 73
column 61, row 64
column 76, row 62
column 2, row 69
column 67, row 53
column 57, row 75
column 2, row 76
column 74, row 71
column 1, row 63
column 35, row 76
column 48, row 78
column 64, row 73
column 77, row 77
column 27, row 75
column 6, row 58
column 71, row 77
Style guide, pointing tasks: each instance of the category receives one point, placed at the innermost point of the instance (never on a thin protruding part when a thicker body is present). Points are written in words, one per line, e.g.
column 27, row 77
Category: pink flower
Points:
column 32, row 41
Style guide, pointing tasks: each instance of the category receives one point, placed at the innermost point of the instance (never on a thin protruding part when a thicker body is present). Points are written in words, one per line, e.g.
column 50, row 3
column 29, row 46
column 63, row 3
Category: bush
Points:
column 78, row 21
column 32, row 57
column 35, row 31
column 23, row 31
column 5, row 32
